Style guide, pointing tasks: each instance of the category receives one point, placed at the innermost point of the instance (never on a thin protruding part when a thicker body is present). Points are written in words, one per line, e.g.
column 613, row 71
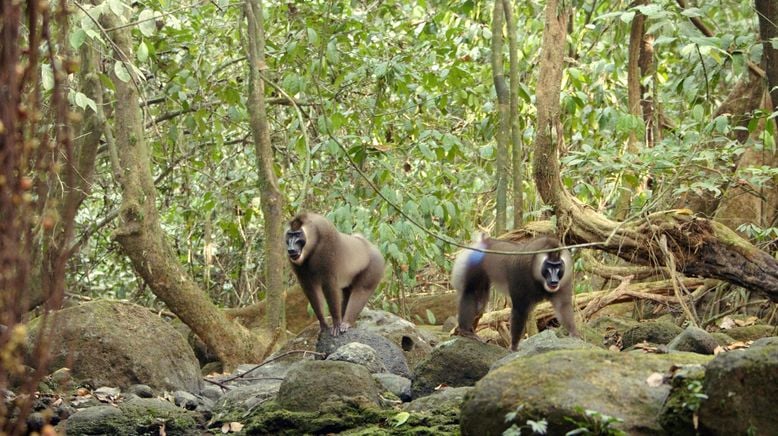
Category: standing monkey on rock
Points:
column 527, row 278
column 345, row 269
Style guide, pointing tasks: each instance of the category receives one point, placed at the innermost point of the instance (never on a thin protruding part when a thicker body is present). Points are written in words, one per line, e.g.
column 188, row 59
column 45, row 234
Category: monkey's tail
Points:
column 466, row 261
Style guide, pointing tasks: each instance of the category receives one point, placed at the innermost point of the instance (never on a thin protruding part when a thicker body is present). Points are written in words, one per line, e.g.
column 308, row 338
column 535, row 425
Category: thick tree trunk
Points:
column 141, row 237
column 272, row 200
column 767, row 11
column 698, row 246
column 503, row 115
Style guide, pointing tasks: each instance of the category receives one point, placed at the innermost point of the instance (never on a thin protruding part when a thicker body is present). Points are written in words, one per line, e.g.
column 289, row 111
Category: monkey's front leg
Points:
column 333, row 296
column 313, row 292
column 563, row 306
column 519, row 313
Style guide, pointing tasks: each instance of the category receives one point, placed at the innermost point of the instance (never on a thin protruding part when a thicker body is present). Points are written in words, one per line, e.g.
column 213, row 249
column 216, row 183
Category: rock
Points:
column 445, row 398
column 142, row 391
column 677, row 414
column 98, row 420
column 694, row 340
column 652, row 332
column 396, row 384
column 390, row 354
column 457, row 362
column 449, row 324
column 185, row 400
column 107, row 343
column 751, row 332
column 360, row 354
column 415, row 342
column 310, row 384
column 242, row 399
column 543, row 342
column 723, row 338
column 763, row 342
column 555, row 385
column 741, row 386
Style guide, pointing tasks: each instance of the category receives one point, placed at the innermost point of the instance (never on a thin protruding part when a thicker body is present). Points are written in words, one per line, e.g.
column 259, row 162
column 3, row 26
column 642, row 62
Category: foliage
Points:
column 404, row 90
column 594, row 423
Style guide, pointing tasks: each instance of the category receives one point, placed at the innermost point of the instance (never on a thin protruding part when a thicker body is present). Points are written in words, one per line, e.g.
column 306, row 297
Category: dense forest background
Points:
column 152, row 151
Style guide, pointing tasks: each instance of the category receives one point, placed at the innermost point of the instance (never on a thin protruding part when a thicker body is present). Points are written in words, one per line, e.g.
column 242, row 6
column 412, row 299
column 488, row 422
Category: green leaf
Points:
column 431, row 317
column 143, row 52
column 401, row 418
column 121, row 72
column 117, row 7
column 77, row 38
column 147, row 22
column 47, row 77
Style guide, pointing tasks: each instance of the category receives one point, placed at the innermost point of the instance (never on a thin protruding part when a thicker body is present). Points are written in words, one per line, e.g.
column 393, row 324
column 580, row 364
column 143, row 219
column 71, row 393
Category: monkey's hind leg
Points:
column 472, row 302
column 361, row 290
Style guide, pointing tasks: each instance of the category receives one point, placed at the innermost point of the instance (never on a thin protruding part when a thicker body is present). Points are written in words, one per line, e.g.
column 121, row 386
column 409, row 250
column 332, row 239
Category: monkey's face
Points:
column 552, row 271
column 295, row 242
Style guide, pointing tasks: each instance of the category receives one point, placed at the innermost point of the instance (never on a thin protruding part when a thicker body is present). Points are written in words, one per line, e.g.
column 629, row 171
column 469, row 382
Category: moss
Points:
column 345, row 418
column 752, row 332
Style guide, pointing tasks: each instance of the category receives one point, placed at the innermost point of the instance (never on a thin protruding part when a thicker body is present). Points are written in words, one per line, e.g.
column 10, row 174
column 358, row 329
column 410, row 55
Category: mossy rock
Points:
column 558, row 386
column 111, row 343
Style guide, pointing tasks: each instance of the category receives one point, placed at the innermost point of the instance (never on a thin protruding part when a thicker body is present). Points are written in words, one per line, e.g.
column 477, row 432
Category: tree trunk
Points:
column 517, row 148
column 698, row 246
column 629, row 181
column 503, row 124
column 141, row 237
column 65, row 195
column 767, row 11
column 272, row 200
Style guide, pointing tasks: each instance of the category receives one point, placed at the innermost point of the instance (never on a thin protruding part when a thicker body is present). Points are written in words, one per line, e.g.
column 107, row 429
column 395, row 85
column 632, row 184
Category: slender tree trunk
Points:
column 141, row 237
column 767, row 11
column 503, row 124
column 695, row 246
column 272, row 200
column 629, row 181
column 517, row 148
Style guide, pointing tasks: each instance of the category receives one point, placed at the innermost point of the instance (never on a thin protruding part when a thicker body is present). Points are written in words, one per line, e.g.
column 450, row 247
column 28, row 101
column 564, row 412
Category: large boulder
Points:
column 457, row 362
column 741, row 386
column 561, row 385
column 111, row 343
column 310, row 384
column 543, row 342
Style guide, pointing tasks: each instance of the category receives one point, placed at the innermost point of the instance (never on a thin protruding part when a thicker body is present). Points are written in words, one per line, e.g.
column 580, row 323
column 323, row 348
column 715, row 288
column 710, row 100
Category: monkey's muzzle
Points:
column 294, row 254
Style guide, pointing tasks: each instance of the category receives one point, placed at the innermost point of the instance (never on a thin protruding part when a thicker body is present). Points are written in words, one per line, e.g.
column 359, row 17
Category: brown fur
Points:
column 518, row 275
column 344, row 269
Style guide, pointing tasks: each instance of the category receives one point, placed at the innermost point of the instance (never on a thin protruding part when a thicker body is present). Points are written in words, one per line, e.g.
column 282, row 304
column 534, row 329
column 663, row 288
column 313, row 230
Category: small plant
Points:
column 694, row 396
column 595, row 423
column 536, row 427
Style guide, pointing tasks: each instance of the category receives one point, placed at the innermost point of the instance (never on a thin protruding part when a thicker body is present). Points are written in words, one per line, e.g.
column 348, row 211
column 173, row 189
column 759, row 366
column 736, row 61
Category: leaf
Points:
column 143, row 52
column 121, row 72
column 117, row 7
column 77, row 38
column 147, row 22
column 232, row 427
column 401, row 418
column 47, row 77
column 431, row 317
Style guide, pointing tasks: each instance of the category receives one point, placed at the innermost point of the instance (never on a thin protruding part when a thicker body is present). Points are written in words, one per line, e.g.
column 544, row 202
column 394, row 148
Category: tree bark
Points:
column 698, row 246
column 634, row 94
column 141, row 237
column 503, row 117
column 272, row 200
column 517, row 148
